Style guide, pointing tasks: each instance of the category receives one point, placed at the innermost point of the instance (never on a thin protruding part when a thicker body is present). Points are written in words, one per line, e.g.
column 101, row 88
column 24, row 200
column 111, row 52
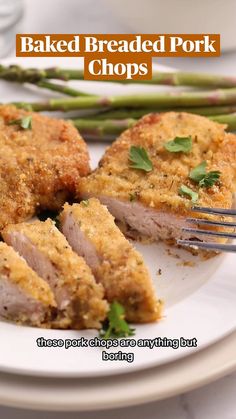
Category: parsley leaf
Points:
column 183, row 144
column 139, row 159
column 116, row 324
column 210, row 179
column 24, row 123
column 199, row 172
column 184, row 190
column 204, row 179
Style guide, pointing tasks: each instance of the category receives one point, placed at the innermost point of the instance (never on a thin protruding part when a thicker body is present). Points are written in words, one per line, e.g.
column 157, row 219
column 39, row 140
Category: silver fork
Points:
column 199, row 221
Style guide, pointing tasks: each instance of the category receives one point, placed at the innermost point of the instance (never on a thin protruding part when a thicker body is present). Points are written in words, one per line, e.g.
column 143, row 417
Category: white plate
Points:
column 94, row 394
column 200, row 300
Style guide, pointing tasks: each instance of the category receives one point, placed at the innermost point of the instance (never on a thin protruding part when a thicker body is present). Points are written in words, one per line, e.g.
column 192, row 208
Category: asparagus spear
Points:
column 102, row 129
column 229, row 119
column 18, row 74
column 38, row 77
column 108, row 129
column 138, row 113
column 162, row 100
column 33, row 75
column 66, row 90
column 187, row 79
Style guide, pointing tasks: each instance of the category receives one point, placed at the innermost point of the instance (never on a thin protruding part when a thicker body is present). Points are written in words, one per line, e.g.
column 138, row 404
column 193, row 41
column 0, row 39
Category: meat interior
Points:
column 150, row 222
column 80, row 300
column 78, row 241
column 40, row 264
column 18, row 306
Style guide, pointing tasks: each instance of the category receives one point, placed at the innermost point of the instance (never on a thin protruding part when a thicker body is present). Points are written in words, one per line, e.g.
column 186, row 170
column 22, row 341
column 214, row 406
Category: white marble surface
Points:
column 217, row 400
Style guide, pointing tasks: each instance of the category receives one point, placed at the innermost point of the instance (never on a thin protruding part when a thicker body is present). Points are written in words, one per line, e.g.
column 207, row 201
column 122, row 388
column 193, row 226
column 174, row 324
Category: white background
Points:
column 217, row 400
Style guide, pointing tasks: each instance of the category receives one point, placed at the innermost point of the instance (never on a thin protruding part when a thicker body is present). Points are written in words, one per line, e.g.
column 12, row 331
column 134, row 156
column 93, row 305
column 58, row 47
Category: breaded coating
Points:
column 229, row 155
column 79, row 299
column 150, row 202
column 24, row 296
column 92, row 233
column 39, row 167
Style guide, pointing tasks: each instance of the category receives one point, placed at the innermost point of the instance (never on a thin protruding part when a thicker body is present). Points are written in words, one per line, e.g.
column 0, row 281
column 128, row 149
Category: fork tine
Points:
column 208, row 246
column 210, row 222
column 221, row 211
column 210, row 233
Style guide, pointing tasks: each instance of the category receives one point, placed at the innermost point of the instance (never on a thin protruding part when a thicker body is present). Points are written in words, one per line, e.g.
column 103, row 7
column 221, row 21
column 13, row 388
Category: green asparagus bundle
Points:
column 107, row 116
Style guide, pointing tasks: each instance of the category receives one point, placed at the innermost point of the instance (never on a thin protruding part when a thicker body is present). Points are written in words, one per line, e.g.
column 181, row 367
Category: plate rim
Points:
column 218, row 360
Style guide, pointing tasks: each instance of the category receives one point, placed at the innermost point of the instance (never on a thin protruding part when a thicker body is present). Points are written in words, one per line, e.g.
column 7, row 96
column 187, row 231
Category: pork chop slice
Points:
column 150, row 202
column 79, row 299
column 92, row 233
column 24, row 296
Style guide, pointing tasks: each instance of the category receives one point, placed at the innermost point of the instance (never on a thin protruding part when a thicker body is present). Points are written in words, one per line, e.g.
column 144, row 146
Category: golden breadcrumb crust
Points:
column 39, row 167
column 87, row 308
column 229, row 154
column 16, row 269
column 122, row 271
column 159, row 188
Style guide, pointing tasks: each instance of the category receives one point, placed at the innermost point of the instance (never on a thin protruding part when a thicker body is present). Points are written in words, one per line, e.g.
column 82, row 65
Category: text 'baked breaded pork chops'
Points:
column 92, row 233
column 39, row 166
column 24, row 296
column 150, row 202
column 79, row 298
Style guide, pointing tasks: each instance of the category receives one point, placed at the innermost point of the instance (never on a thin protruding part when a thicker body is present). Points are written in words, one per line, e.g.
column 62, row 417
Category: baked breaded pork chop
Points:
column 92, row 233
column 24, row 297
column 151, row 202
column 79, row 299
column 39, row 165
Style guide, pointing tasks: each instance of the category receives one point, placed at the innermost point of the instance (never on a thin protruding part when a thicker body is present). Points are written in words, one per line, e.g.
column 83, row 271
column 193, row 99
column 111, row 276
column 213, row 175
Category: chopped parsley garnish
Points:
column 179, row 144
column 24, row 123
column 116, row 325
column 139, row 159
column 184, row 190
column 85, row 202
column 199, row 172
column 210, row 179
column 204, row 179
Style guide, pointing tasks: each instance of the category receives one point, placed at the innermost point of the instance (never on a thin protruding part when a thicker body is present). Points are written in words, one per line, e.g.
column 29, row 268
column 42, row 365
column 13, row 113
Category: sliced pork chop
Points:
column 24, row 296
column 92, row 233
column 79, row 299
column 149, row 202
